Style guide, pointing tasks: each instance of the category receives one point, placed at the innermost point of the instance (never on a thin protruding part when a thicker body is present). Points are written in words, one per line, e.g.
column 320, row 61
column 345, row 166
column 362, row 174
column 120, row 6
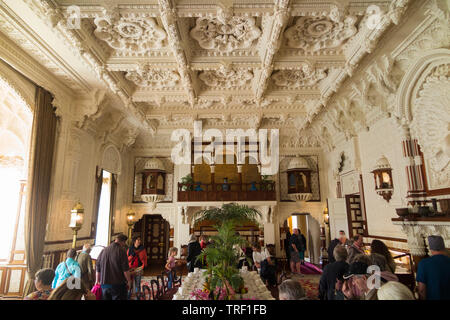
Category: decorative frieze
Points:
column 225, row 36
column 130, row 34
column 321, row 32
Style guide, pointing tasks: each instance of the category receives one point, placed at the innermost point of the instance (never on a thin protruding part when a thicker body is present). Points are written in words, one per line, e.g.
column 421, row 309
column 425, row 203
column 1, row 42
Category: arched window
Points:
column 15, row 130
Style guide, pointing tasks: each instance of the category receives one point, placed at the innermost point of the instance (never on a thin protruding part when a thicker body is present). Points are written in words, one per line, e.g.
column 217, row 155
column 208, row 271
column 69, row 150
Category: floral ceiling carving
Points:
column 235, row 33
column 147, row 76
column 304, row 77
column 322, row 32
column 132, row 34
column 226, row 77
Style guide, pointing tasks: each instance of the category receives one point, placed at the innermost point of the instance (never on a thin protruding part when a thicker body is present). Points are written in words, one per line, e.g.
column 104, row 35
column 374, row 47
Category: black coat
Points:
column 194, row 249
column 331, row 273
column 333, row 244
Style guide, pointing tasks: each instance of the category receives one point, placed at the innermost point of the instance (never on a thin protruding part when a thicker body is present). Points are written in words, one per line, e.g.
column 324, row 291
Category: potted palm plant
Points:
column 223, row 278
column 188, row 182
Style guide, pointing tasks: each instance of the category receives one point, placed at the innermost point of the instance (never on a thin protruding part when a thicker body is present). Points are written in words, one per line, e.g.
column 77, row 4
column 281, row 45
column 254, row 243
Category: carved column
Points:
column 413, row 160
column 416, row 244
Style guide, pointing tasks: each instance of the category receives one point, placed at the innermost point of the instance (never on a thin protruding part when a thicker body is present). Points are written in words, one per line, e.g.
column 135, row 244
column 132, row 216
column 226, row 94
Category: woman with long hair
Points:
column 69, row 291
column 379, row 247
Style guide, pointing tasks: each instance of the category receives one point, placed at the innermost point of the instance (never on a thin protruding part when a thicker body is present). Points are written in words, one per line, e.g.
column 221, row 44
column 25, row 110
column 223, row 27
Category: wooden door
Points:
column 356, row 222
column 338, row 217
column 156, row 238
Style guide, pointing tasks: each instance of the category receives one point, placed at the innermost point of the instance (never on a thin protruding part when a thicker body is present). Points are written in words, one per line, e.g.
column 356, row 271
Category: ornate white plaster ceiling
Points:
column 202, row 58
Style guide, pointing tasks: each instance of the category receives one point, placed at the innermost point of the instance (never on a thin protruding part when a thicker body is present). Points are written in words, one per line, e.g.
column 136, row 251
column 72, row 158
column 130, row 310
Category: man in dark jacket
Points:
column 194, row 249
column 332, row 273
column 341, row 240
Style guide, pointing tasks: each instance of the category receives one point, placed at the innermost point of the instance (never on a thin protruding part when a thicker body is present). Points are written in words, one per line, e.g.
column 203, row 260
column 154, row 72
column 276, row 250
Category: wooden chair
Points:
column 176, row 280
column 163, row 281
column 155, row 290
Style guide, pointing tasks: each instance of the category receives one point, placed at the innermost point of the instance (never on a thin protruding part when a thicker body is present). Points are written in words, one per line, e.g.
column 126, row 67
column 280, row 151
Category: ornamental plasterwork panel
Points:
column 321, row 32
column 130, row 34
column 431, row 126
column 226, row 77
column 304, row 77
column 151, row 77
column 236, row 33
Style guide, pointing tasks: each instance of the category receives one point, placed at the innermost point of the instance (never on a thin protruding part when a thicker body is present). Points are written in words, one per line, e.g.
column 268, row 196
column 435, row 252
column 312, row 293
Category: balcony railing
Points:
column 262, row 191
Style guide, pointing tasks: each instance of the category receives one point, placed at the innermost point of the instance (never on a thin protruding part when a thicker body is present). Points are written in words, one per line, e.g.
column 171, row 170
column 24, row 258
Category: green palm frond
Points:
column 238, row 214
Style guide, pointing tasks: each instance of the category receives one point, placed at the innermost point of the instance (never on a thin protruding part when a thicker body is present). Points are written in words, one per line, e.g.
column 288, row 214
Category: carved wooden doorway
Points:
column 357, row 223
column 154, row 231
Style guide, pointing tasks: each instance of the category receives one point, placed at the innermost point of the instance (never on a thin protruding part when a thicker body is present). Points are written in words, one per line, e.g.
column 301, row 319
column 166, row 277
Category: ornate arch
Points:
column 111, row 159
column 18, row 86
column 414, row 77
column 424, row 103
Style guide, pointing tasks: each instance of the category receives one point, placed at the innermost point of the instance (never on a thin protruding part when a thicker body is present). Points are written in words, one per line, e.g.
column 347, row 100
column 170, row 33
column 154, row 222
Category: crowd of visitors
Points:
column 352, row 274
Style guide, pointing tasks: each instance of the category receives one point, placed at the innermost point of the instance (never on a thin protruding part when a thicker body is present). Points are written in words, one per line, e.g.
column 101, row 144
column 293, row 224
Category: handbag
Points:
column 97, row 291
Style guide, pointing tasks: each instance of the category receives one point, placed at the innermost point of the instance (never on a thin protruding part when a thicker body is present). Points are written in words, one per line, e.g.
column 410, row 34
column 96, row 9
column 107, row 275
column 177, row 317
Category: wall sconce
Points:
column 326, row 216
column 382, row 174
column 131, row 216
column 76, row 221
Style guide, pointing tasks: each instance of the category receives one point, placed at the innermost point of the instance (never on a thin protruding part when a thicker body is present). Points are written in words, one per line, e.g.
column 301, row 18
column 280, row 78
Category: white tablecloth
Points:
column 252, row 281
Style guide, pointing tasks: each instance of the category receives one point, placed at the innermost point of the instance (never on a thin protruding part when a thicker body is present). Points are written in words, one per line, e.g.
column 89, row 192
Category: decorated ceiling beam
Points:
column 169, row 19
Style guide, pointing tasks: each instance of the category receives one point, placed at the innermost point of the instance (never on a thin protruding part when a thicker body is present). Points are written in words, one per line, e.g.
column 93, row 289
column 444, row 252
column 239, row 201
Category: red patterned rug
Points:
column 311, row 287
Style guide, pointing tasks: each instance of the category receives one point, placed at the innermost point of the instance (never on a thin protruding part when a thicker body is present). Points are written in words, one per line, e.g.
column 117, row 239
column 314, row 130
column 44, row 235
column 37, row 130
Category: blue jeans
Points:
column 170, row 280
column 114, row 292
column 137, row 283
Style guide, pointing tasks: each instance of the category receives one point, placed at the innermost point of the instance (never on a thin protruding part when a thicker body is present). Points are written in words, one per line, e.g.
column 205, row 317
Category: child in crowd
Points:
column 170, row 265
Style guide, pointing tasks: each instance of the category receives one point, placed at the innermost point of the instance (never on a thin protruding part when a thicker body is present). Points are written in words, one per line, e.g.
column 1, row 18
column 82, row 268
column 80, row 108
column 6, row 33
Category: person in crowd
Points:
column 87, row 269
column 356, row 248
column 137, row 257
column 291, row 290
column 66, row 292
column 259, row 255
column 332, row 273
column 296, row 246
column 378, row 246
column 113, row 270
column 286, row 244
column 241, row 255
column 170, row 266
column 337, row 241
column 194, row 250
column 303, row 248
column 66, row 269
column 203, row 241
column 360, row 257
column 43, row 284
column 385, row 273
column 354, row 285
column 433, row 273
column 394, row 290
column 264, row 264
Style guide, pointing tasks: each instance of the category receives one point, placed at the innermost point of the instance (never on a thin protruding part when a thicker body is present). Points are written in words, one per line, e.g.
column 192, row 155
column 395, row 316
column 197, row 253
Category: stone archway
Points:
column 312, row 234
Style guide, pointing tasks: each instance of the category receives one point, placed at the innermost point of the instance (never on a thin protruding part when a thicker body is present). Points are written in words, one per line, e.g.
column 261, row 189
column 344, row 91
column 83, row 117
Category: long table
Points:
column 252, row 281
